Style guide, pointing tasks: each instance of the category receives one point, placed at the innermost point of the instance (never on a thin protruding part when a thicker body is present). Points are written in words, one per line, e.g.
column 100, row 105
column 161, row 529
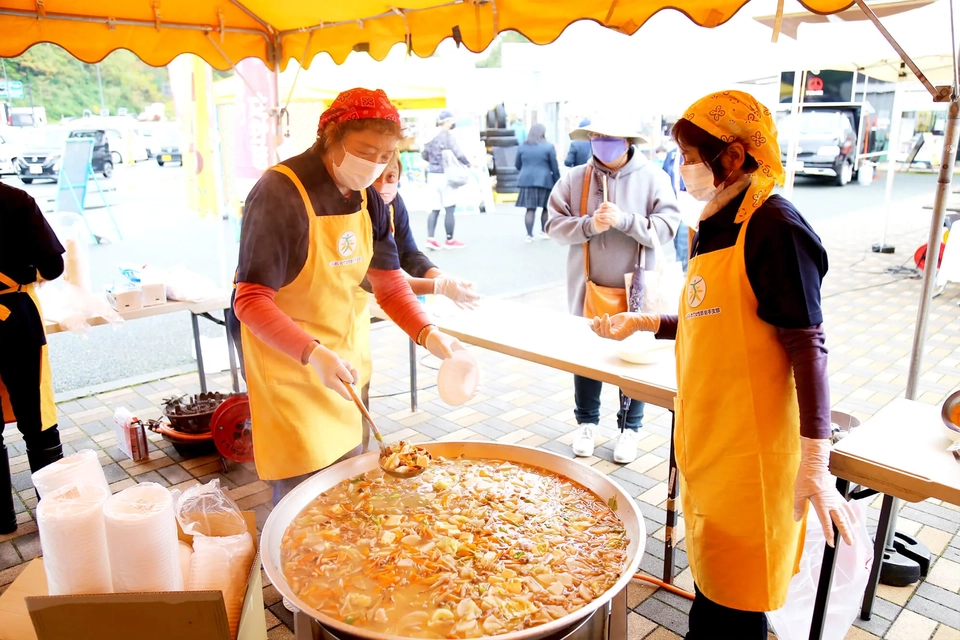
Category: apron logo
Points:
column 347, row 243
column 696, row 291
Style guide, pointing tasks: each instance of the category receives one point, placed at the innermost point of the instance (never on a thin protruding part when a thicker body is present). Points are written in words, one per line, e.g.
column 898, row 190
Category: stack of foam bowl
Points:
column 74, row 541
column 458, row 378
column 221, row 563
column 82, row 468
column 142, row 539
column 642, row 348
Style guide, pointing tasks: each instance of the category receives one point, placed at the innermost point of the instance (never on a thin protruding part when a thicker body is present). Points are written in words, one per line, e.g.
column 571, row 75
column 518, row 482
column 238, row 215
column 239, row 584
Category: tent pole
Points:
column 799, row 81
column 893, row 144
column 275, row 110
column 944, row 181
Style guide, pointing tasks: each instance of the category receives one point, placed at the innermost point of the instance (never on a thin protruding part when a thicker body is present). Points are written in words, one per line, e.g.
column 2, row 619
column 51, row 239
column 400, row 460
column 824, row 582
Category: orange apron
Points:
column 300, row 426
column 737, row 438
column 48, row 408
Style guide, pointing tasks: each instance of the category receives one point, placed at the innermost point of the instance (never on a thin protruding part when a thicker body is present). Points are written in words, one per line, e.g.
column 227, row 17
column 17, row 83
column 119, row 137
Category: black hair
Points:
column 710, row 147
column 335, row 132
column 538, row 134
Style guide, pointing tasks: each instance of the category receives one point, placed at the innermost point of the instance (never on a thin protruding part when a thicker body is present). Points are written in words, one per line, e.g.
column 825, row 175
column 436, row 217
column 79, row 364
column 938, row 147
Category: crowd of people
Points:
column 324, row 228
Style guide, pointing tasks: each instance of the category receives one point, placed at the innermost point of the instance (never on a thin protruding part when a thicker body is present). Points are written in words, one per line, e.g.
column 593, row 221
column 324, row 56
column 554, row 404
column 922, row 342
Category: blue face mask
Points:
column 607, row 150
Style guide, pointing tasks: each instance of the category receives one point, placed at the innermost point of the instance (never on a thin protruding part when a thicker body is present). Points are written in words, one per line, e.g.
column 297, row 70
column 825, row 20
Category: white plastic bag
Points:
column 792, row 621
column 663, row 284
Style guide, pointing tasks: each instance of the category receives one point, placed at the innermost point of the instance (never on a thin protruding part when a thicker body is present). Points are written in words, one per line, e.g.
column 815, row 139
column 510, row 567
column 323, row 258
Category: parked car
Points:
column 827, row 145
column 102, row 159
column 39, row 157
column 167, row 148
column 8, row 154
column 123, row 135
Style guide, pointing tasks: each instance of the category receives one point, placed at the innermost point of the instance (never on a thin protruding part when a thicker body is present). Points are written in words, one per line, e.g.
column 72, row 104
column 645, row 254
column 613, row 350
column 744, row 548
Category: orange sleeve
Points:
column 395, row 297
column 256, row 309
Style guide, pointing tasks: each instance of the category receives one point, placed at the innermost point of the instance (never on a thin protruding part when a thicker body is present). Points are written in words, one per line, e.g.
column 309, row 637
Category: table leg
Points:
column 672, row 483
column 827, row 567
column 233, row 357
column 618, row 616
column 413, row 377
column 879, row 546
column 196, row 344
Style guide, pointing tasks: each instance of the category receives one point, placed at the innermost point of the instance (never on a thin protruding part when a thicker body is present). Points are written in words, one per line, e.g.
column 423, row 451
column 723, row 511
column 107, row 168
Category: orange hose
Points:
column 664, row 585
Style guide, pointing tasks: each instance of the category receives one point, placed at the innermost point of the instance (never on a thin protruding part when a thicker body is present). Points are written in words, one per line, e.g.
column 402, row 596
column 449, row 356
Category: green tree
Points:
column 64, row 86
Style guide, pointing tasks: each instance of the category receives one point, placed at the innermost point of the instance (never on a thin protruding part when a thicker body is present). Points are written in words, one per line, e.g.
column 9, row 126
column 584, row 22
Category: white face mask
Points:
column 388, row 191
column 356, row 173
column 698, row 180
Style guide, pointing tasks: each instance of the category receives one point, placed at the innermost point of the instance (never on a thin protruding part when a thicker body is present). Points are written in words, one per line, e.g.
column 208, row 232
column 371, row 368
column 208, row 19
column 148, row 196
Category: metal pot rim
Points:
column 604, row 486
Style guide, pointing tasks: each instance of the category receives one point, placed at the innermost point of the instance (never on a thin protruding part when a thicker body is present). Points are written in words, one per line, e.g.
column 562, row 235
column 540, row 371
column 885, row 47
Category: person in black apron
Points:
column 29, row 251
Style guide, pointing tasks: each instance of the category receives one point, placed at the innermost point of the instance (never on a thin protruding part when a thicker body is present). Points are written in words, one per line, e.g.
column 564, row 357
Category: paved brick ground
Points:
column 870, row 316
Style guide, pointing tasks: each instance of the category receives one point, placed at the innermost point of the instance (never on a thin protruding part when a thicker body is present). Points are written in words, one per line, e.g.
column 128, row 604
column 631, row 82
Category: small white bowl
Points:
column 642, row 348
column 458, row 378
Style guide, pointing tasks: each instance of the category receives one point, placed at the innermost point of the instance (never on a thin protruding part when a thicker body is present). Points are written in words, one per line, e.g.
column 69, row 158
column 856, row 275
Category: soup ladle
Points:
column 379, row 438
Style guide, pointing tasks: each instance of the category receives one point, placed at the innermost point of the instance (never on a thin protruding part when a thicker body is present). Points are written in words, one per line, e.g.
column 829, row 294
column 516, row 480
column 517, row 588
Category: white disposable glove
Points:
column 461, row 292
column 815, row 483
column 624, row 325
column 334, row 371
column 440, row 344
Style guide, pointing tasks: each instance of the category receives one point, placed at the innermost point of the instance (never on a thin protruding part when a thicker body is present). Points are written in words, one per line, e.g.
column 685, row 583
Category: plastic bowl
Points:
column 950, row 410
column 642, row 348
column 458, row 378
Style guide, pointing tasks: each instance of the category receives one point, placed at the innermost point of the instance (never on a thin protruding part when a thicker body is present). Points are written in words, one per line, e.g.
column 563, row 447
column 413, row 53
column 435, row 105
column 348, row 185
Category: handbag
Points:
column 453, row 171
column 597, row 300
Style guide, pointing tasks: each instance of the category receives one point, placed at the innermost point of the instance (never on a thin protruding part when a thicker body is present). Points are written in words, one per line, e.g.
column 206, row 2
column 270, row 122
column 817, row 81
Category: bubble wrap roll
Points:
column 82, row 468
column 186, row 560
column 142, row 540
column 74, row 541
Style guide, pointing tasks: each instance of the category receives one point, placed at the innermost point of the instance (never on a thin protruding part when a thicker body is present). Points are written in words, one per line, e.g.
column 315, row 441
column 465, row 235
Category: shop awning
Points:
column 223, row 32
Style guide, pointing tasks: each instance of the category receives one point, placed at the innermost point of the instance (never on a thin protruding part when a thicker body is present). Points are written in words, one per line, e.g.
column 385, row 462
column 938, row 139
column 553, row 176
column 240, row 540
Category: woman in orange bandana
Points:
column 753, row 403
column 313, row 228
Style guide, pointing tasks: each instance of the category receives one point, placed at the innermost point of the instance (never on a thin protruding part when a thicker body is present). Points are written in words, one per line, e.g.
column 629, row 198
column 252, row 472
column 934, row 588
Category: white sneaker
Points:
column 583, row 441
column 528, row 239
column 542, row 236
column 625, row 450
column 289, row 606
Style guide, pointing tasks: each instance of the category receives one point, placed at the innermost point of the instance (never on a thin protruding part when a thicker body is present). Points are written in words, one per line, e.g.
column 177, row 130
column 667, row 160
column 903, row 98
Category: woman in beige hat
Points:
column 606, row 211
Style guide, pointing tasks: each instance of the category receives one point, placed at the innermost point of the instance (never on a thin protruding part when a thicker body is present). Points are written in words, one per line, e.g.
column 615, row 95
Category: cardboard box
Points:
column 125, row 298
column 27, row 613
column 152, row 294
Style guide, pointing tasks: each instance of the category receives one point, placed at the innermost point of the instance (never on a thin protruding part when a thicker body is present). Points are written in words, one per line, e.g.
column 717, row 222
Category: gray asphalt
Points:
column 149, row 203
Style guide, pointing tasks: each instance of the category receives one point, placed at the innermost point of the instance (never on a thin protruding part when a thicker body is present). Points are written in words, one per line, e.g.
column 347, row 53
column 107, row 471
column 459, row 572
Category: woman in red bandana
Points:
column 313, row 227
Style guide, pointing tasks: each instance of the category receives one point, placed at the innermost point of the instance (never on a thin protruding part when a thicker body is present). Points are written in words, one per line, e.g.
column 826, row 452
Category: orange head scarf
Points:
column 735, row 116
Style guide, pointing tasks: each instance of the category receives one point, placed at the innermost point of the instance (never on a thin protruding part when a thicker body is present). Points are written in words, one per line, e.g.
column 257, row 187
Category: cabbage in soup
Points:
column 468, row 548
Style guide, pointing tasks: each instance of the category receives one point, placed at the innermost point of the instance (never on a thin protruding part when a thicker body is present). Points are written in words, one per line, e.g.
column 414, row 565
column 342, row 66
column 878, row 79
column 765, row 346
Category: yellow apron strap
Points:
column 287, row 171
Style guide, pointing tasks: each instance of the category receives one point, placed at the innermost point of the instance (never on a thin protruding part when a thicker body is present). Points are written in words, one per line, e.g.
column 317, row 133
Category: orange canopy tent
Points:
column 223, row 32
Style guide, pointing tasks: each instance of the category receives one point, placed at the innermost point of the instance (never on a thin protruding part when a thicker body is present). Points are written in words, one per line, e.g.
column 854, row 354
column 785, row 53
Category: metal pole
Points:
column 100, row 82
column 799, row 78
column 33, row 114
column 944, row 181
column 893, row 142
column 6, row 82
column 275, row 110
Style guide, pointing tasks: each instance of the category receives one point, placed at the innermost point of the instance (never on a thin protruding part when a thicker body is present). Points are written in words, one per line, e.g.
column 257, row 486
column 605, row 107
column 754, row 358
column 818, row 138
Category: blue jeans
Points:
column 586, row 394
column 682, row 244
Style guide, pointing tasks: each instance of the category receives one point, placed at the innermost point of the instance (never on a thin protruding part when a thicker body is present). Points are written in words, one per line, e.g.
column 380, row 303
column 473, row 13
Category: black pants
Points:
column 20, row 362
column 529, row 218
column 712, row 621
column 449, row 222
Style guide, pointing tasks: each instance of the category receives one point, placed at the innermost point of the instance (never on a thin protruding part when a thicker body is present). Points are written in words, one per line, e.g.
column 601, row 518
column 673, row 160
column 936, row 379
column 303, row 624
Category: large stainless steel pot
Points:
column 600, row 484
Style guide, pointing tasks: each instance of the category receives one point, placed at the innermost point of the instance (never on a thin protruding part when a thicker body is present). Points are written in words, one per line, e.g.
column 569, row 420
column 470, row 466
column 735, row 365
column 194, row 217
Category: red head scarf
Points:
column 359, row 104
